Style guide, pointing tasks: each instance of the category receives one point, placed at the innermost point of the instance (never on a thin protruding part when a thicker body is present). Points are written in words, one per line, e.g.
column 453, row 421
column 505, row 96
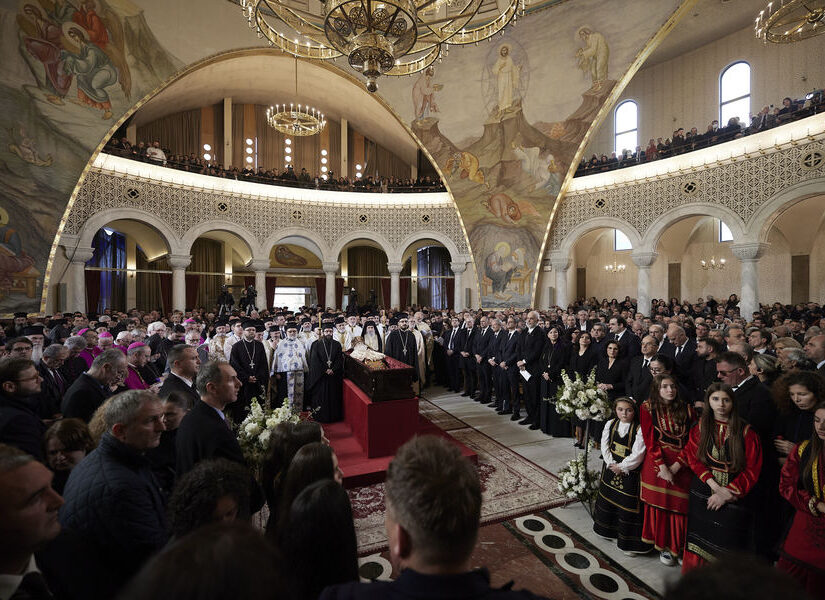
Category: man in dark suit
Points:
column 205, row 431
column 453, row 358
column 509, row 356
column 493, row 358
column 704, row 367
column 683, row 352
column 582, row 322
column 639, row 377
column 468, row 363
column 629, row 343
column 531, row 347
column 90, row 390
column 480, row 355
column 184, row 363
column 54, row 383
column 815, row 350
column 599, row 339
column 20, row 425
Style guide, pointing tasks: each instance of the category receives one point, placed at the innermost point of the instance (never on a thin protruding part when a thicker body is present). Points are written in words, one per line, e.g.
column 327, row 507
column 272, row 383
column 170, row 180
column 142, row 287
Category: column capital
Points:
column 458, row 267
column 259, row 264
column 644, row 260
column 179, row 261
column 749, row 251
column 330, row 267
column 79, row 254
column 395, row 268
column 560, row 261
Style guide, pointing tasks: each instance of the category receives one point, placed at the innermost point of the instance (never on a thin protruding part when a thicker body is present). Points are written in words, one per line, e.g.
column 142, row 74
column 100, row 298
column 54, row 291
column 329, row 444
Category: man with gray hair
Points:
column 112, row 499
column 91, row 389
column 74, row 365
column 54, row 384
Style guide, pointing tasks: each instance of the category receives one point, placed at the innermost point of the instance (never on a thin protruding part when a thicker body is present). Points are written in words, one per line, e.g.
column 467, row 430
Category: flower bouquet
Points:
column 255, row 430
column 582, row 399
column 578, row 482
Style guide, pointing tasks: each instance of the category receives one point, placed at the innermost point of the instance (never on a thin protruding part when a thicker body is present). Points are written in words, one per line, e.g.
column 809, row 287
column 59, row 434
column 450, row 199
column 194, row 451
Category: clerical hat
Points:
column 340, row 320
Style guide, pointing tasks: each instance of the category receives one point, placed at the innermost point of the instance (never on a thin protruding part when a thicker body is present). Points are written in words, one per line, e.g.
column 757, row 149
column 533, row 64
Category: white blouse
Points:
column 637, row 452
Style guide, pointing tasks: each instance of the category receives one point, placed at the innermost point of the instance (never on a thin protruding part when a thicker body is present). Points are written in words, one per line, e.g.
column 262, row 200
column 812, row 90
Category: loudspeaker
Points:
column 468, row 298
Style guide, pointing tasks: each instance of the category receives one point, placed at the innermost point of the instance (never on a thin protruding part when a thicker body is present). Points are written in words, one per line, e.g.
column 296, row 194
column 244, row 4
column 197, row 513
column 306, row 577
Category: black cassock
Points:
column 326, row 391
column 243, row 353
column 397, row 342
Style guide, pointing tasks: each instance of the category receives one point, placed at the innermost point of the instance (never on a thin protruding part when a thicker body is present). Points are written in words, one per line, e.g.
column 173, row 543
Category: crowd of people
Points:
column 683, row 141
column 121, row 474
column 156, row 154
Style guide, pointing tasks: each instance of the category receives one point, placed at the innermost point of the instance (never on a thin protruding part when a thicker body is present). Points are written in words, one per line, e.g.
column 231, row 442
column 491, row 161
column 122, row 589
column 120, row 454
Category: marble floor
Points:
column 550, row 454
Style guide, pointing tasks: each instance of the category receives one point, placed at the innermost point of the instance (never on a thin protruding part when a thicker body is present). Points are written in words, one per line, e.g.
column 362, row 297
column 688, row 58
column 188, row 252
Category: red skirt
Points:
column 691, row 561
column 664, row 529
column 811, row 580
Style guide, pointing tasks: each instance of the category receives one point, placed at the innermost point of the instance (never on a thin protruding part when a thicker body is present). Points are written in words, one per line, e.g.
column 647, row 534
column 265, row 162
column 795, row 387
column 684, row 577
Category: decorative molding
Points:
column 394, row 268
column 749, row 251
column 330, row 267
column 644, row 260
column 179, row 261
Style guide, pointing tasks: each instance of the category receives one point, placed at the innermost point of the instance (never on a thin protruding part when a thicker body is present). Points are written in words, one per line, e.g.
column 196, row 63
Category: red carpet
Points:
column 360, row 470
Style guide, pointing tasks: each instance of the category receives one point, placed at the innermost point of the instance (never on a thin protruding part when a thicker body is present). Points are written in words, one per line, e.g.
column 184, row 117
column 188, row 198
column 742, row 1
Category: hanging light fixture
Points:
column 296, row 119
column 713, row 264
column 614, row 269
column 379, row 37
column 785, row 21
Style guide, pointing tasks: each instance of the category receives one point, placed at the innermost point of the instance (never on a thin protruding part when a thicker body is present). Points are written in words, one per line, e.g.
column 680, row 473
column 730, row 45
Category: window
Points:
column 735, row 93
column 621, row 241
column 291, row 297
column 725, row 234
column 626, row 127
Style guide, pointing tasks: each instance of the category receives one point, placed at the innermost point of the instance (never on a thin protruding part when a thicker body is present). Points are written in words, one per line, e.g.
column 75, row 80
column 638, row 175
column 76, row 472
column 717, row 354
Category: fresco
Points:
column 504, row 120
column 290, row 256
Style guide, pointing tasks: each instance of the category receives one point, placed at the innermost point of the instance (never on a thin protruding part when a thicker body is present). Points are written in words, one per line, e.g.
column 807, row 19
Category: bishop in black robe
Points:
column 248, row 358
column 401, row 344
column 325, row 385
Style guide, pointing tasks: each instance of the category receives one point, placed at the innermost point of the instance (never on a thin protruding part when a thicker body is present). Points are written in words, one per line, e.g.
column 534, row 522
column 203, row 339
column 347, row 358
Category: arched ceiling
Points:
column 267, row 78
column 149, row 240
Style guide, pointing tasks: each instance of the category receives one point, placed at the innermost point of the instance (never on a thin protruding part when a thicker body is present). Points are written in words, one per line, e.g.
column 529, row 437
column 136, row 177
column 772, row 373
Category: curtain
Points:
column 383, row 163
column 149, row 296
column 423, row 283
column 449, row 290
column 321, row 290
column 339, row 291
column 92, row 290
column 110, row 253
column 269, row 298
column 367, row 265
column 270, row 143
column 166, row 292
column 207, row 257
column 247, row 281
column 179, row 132
column 404, row 292
column 217, row 128
column 192, row 283
column 386, row 285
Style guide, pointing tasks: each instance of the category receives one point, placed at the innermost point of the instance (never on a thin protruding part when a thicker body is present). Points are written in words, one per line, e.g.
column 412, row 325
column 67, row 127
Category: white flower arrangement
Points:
column 256, row 429
column 582, row 399
column 577, row 482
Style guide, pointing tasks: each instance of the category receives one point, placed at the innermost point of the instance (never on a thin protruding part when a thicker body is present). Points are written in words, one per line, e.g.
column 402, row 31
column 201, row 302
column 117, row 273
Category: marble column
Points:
column 260, row 267
column 78, row 257
column 395, row 284
column 560, row 264
column 458, row 268
column 330, row 270
column 179, row 262
column 749, row 254
column 643, row 261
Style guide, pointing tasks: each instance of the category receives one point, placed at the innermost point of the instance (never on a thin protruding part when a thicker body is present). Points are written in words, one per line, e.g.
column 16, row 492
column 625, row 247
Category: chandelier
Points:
column 300, row 121
column 614, row 268
column 713, row 264
column 379, row 37
column 785, row 21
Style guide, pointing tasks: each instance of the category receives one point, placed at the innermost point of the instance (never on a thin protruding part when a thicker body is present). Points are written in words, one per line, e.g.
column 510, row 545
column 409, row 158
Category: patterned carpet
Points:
column 511, row 485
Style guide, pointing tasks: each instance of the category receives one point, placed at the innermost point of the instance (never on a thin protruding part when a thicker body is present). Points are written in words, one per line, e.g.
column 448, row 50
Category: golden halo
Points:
column 4, row 216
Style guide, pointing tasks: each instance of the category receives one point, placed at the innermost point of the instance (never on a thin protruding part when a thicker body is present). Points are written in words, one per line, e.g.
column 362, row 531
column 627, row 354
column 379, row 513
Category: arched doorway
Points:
column 603, row 266
column 427, row 264
column 364, row 269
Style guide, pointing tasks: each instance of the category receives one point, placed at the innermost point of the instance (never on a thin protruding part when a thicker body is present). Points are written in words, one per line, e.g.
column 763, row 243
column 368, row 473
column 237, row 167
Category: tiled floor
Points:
column 550, row 454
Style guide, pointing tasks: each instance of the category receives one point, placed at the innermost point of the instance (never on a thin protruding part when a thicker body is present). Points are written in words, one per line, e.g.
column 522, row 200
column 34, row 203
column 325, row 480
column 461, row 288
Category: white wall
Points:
column 684, row 91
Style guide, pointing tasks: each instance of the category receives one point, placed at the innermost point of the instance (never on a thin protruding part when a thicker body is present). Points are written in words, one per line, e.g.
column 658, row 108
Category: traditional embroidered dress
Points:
column 134, row 381
column 665, row 504
column 290, row 363
column 618, row 512
column 803, row 552
column 711, row 533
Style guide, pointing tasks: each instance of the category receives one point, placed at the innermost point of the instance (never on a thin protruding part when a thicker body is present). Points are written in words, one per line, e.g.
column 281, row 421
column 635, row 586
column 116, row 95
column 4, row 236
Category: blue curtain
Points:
column 433, row 261
column 110, row 253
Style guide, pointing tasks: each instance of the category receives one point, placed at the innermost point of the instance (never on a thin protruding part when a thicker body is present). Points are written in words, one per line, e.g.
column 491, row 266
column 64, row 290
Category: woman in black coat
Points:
column 583, row 359
column 611, row 372
column 554, row 359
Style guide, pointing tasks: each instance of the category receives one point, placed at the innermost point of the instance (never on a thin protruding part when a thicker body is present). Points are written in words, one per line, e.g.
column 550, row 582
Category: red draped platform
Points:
column 371, row 432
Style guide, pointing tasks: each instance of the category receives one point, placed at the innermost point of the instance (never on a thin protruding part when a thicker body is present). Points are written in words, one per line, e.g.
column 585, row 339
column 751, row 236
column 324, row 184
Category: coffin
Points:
column 386, row 379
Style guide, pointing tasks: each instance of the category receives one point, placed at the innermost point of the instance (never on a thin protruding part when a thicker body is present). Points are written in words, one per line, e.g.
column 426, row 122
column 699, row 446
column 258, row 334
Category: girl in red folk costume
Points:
column 725, row 456
column 802, row 483
column 666, row 420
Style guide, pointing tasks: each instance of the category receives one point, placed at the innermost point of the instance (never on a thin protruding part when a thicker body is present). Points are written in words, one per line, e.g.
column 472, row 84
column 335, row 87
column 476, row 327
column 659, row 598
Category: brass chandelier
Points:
column 785, row 21
column 295, row 119
column 379, row 37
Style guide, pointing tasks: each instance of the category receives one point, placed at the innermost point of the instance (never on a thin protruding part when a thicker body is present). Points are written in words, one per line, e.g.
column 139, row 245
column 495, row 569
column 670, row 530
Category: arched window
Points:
column 735, row 93
column 626, row 121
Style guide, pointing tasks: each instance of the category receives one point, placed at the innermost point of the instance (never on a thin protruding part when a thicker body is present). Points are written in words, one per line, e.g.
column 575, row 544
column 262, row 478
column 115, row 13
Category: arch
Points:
column 423, row 235
column 589, row 225
column 700, row 209
column 336, row 249
column 102, row 218
column 734, row 99
column 306, row 238
column 765, row 216
column 247, row 237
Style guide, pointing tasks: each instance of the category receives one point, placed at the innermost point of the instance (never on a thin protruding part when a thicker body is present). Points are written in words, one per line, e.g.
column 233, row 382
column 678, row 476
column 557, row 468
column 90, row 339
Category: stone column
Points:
column 330, row 270
column 395, row 284
column 749, row 254
column 260, row 267
column 458, row 268
column 560, row 264
column 76, row 300
column 179, row 262
column 643, row 261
